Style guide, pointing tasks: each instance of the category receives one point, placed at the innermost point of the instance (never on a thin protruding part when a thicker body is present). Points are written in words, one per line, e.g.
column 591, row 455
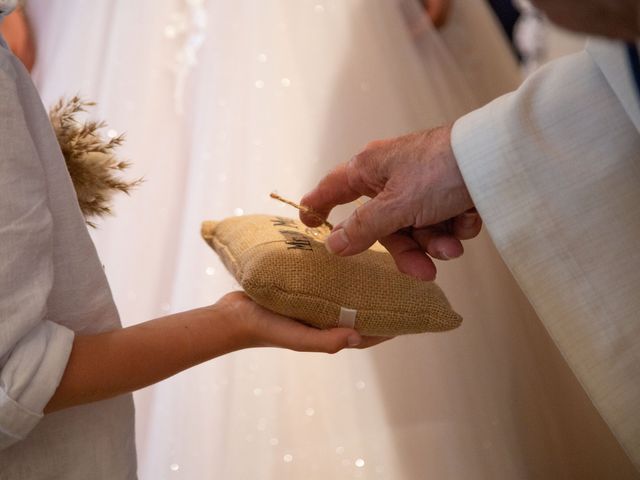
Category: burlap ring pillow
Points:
column 283, row 265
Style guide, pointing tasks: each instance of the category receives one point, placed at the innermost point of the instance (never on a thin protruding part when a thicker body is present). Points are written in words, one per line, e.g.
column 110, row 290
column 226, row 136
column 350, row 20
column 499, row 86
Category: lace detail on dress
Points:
column 187, row 26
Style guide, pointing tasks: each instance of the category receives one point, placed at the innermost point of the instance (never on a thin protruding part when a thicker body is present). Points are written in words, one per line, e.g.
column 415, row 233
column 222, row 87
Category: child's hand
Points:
column 261, row 328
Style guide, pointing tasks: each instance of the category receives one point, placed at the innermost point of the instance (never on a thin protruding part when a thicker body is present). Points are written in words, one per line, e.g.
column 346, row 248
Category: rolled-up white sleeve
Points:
column 554, row 170
column 33, row 350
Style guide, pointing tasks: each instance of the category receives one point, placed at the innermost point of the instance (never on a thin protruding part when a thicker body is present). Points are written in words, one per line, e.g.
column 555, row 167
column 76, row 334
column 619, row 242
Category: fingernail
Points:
column 469, row 219
column 354, row 340
column 443, row 255
column 337, row 241
column 450, row 255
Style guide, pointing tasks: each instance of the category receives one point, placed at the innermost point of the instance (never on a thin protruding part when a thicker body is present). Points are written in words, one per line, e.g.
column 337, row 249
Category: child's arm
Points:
column 112, row 363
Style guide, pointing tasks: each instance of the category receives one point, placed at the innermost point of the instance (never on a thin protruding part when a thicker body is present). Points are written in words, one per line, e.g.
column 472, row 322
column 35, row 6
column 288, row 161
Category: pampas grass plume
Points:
column 91, row 161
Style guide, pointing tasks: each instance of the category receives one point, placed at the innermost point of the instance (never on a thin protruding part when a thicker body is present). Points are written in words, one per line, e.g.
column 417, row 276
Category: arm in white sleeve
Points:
column 554, row 170
column 33, row 351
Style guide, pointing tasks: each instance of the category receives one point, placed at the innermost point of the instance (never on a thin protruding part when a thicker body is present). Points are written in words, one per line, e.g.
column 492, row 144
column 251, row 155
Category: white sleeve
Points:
column 554, row 170
column 33, row 351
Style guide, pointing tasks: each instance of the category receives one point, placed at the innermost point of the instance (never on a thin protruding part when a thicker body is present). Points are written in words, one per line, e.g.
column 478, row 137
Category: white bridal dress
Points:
column 224, row 101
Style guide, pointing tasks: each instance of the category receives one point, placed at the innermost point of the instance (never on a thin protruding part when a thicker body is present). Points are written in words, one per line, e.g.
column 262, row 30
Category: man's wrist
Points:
column 451, row 179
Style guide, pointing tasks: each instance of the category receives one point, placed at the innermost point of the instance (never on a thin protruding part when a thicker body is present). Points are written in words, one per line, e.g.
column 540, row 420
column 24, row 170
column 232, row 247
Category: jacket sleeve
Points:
column 554, row 170
column 33, row 351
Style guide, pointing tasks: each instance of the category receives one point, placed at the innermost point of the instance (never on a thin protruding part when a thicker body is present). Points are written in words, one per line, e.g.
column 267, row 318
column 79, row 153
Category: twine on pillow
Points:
column 302, row 208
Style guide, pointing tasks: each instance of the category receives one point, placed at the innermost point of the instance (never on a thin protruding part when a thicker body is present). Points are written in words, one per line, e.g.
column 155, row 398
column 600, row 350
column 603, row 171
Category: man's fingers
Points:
column 467, row 225
column 333, row 189
column 409, row 256
column 438, row 243
column 346, row 183
column 374, row 220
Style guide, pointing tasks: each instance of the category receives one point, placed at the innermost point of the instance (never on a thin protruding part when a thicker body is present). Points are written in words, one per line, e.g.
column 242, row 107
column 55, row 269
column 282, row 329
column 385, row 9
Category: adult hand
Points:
column 17, row 32
column 438, row 10
column 263, row 328
column 419, row 204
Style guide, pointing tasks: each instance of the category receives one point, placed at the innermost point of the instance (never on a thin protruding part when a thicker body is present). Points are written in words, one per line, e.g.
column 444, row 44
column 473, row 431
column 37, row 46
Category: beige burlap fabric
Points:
column 284, row 266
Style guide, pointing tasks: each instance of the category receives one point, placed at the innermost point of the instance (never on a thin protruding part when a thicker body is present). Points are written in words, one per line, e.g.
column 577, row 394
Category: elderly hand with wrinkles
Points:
column 419, row 207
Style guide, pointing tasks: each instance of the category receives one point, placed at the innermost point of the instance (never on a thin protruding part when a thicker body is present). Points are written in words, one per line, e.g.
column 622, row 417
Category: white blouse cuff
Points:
column 18, row 416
